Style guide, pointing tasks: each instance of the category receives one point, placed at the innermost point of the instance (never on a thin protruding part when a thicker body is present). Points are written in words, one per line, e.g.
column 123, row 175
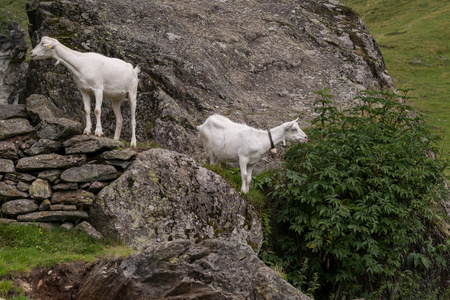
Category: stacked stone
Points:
column 50, row 173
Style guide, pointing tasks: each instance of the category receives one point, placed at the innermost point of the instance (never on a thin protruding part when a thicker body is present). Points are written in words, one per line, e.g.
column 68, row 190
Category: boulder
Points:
column 8, row 150
column 89, row 230
column 49, row 161
column 50, row 175
column 9, row 192
column 19, row 207
column 6, row 166
column 80, row 198
column 58, row 128
column 54, row 216
column 13, row 127
column 43, row 146
column 96, row 186
column 23, row 186
column 165, row 195
column 181, row 269
column 41, row 108
column 63, row 207
column 45, row 205
column 85, row 144
column 17, row 177
column 13, row 111
column 13, row 68
column 89, row 173
column 123, row 154
column 40, row 189
column 65, row 186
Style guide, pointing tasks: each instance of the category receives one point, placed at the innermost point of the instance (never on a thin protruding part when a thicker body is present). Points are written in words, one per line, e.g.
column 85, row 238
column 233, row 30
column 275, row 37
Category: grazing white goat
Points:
column 227, row 141
column 94, row 73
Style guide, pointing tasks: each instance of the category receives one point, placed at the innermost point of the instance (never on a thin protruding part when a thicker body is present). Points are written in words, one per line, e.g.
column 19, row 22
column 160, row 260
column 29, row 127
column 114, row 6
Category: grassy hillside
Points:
column 414, row 37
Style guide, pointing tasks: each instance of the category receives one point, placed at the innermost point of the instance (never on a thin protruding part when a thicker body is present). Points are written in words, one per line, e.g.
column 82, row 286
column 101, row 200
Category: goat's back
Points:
column 225, row 138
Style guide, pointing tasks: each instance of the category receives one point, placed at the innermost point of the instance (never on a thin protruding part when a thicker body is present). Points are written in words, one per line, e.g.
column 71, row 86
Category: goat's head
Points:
column 293, row 133
column 44, row 49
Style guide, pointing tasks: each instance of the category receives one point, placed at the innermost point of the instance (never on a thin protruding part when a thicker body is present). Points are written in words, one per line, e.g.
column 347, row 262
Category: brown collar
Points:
column 273, row 150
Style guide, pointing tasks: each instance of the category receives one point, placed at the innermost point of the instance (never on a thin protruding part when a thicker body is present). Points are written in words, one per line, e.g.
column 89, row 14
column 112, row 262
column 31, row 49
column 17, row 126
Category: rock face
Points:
column 164, row 196
column 213, row 269
column 259, row 62
column 13, row 51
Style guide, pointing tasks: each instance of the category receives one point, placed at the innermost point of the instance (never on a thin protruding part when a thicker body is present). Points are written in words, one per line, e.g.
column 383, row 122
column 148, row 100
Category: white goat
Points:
column 227, row 141
column 94, row 73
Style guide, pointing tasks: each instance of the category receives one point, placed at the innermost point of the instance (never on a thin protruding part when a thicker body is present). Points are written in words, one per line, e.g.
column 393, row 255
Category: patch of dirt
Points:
column 60, row 282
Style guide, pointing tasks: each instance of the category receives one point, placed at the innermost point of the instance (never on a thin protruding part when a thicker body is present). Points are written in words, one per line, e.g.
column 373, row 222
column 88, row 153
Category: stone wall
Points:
column 49, row 172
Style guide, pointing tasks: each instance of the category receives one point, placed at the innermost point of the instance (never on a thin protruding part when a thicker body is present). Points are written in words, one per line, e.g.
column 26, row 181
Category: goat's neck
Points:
column 277, row 135
column 70, row 58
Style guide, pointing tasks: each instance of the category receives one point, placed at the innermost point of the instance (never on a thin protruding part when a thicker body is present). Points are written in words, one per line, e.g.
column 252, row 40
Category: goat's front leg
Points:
column 98, row 111
column 87, row 109
column 244, row 174
column 249, row 175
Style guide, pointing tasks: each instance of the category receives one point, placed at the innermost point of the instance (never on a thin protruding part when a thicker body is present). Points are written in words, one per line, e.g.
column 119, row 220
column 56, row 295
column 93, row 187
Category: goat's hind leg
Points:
column 119, row 120
column 132, row 98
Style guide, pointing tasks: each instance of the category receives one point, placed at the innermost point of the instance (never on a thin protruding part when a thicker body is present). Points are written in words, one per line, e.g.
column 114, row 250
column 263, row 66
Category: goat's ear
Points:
column 289, row 126
column 295, row 120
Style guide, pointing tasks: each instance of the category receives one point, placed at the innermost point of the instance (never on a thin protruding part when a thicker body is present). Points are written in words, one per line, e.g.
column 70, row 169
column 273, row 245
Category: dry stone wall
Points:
column 49, row 173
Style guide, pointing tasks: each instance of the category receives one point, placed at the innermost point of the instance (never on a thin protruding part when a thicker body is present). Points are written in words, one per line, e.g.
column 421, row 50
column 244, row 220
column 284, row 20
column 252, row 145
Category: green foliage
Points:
column 356, row 200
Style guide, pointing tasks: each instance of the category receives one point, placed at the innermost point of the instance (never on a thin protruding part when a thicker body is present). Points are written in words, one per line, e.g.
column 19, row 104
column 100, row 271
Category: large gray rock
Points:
column 123, row 154
column 8, row 150
column 10, row 111
column 9, row 192
column 80, row 198
column 165, row 195
column 43, row 146
column 40, row 189
column 41, row 108
column 213, row 269
column 18, row 207
column 89, row 173
column 17, row 177
column 13, row 127
column 90, row 144
column 259, row 62
column 54, row 216
column 58, row 128
column 6, row 166
column 13, row 52
column 49, row 161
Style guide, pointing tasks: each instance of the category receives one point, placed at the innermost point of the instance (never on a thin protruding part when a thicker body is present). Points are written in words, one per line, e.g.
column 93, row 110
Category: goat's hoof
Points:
column 87, row 133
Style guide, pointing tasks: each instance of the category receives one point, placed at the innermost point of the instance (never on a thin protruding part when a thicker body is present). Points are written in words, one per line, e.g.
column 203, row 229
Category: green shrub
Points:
column 356, row 200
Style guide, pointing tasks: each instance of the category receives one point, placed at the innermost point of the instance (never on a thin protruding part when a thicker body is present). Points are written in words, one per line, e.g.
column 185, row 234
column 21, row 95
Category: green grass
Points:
column 17, row 12
column 25, row 247
column 409, row 30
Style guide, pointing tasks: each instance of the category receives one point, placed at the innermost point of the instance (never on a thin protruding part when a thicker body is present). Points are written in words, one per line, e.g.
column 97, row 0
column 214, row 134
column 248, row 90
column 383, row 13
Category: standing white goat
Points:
column 227, row 141
column 94, row 73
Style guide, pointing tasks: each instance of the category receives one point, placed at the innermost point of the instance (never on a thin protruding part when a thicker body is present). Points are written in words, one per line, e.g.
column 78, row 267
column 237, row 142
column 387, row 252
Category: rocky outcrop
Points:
column 165, row 195
column 39, row 185
column 13, row 51
column 259, row 62
column 213, row 269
